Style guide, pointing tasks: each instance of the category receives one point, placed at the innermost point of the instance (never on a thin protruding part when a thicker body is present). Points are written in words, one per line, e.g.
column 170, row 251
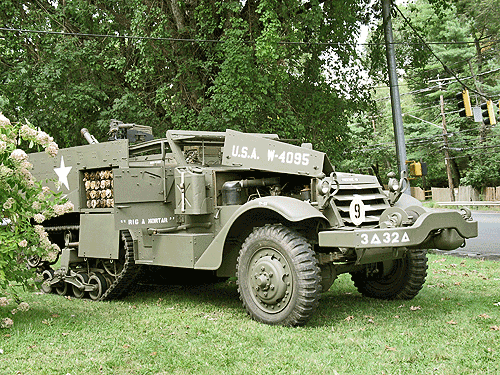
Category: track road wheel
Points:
column 63, row 289
column 46, row 277
column 398, row 279
column 278, row 276
column 83, row 278
column 101, row 284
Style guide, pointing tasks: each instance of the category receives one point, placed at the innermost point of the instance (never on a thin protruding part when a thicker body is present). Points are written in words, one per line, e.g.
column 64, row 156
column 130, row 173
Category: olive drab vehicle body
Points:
column 275, row 215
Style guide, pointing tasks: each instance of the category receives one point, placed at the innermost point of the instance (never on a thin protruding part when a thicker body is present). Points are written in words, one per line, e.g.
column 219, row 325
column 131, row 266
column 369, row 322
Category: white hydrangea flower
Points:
column 27, row 132
column 53, row 253
column 61, row 209
column 38, row 229
column 39, row 218
column 42, row 138
column 69, row 207
column 4, row 121
column 52, row 149
column 18, row 155
column 26, row 165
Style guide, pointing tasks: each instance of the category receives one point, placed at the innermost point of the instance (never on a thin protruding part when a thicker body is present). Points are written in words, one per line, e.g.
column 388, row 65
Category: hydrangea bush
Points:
column 24, row 202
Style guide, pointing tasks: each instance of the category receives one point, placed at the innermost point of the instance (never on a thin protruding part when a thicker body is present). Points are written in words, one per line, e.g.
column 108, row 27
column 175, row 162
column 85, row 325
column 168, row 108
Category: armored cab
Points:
column 275, row 215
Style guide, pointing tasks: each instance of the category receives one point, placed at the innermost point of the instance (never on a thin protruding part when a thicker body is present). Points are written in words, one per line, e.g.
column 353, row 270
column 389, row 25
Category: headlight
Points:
column 324, row 187
column 394, row 186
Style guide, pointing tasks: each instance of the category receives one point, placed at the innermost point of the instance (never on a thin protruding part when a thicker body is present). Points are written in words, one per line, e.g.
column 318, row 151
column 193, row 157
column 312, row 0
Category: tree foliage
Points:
column 255, row 65
column 463, row 40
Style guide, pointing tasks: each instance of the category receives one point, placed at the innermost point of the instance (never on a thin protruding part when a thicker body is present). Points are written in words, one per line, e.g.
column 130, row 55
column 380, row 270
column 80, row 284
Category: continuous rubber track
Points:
column 404, row 282
column 125, row 280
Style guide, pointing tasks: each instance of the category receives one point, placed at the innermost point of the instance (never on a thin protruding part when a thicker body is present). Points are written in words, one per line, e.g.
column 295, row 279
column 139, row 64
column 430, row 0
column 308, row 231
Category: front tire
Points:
column 400, row 279
column 278, row 276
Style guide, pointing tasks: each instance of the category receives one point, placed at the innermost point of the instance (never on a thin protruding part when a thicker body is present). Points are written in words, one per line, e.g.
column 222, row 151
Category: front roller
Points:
column 394, row 279
column 278, row 276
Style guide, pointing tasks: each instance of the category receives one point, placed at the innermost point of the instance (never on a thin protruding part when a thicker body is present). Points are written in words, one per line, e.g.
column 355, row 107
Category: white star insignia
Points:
column 62, row 172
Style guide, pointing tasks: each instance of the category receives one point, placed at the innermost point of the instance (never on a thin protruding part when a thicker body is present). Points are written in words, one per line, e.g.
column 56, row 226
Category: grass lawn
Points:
column 451, row 327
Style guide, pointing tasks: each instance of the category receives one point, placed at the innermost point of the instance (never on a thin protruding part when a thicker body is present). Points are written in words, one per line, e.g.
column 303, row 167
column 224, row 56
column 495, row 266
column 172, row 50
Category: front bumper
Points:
column 432, row 230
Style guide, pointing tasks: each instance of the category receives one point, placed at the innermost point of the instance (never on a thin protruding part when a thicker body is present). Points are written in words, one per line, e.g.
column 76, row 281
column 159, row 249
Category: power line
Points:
column 446, row 68
column 426, row 140
column 195, row 40
column 419, row 91
column 116, row 36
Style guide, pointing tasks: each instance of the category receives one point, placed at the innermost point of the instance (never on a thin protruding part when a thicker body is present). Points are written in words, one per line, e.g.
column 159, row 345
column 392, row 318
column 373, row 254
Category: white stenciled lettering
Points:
column 158, row 220
column 244, row 152
column 387, row 238
column 305, row 159
column 405, row 238
column 270, row 155
column 297, row 158
column 282, row 157
column 375, row 240
column 254, row 154
column 235, row 150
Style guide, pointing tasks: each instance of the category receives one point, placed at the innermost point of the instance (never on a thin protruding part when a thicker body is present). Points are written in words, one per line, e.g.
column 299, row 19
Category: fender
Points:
column 291, row 209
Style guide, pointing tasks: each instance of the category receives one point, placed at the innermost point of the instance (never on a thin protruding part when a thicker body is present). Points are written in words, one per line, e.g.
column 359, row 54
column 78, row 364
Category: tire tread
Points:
column 307, row 269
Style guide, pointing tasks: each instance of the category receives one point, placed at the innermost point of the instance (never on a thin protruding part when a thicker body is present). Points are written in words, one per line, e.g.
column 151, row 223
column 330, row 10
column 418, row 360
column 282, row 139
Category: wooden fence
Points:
column 462, row 194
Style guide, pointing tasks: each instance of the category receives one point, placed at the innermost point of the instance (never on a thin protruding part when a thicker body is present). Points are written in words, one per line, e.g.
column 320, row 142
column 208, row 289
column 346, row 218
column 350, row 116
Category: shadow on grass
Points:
column 334, row 305
column 218, row 294
column 337, row 305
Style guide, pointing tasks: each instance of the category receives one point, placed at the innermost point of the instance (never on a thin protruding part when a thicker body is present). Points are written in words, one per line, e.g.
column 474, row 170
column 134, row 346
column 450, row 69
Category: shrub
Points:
column 24, row 202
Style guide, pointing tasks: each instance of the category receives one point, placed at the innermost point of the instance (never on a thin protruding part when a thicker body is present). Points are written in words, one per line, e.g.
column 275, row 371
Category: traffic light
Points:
column 464, row 103
column 417, row 169
column 489, row 114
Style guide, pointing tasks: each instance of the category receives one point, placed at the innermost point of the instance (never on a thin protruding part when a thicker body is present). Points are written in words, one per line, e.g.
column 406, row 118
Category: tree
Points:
column 255, row 65
column 465, row 46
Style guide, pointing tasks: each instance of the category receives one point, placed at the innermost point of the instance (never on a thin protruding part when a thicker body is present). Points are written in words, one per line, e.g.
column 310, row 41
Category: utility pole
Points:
column 397, row 118
column 447, row 159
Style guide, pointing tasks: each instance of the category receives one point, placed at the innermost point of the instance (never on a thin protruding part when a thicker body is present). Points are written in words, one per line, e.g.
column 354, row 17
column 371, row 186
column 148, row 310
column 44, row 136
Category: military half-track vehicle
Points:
column 275, row 215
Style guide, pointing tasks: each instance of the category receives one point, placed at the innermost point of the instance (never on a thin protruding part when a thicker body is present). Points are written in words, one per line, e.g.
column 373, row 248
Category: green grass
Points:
column 451, row 327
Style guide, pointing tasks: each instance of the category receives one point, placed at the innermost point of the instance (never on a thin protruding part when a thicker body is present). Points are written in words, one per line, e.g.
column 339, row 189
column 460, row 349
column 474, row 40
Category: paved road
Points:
column 487, row 244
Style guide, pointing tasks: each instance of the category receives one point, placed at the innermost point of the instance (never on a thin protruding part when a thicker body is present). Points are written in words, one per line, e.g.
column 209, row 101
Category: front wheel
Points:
column 278, row 276
column 398, row 279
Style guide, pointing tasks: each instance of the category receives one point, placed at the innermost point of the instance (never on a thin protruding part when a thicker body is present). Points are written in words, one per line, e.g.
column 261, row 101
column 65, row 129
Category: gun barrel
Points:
column 88, row 137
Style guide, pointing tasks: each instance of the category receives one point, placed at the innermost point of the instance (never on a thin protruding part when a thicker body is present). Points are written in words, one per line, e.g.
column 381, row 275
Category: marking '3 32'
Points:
column 387, row 238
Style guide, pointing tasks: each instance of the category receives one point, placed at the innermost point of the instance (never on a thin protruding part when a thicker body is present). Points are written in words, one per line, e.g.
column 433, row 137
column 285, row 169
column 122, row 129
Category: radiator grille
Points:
column 375, row 201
